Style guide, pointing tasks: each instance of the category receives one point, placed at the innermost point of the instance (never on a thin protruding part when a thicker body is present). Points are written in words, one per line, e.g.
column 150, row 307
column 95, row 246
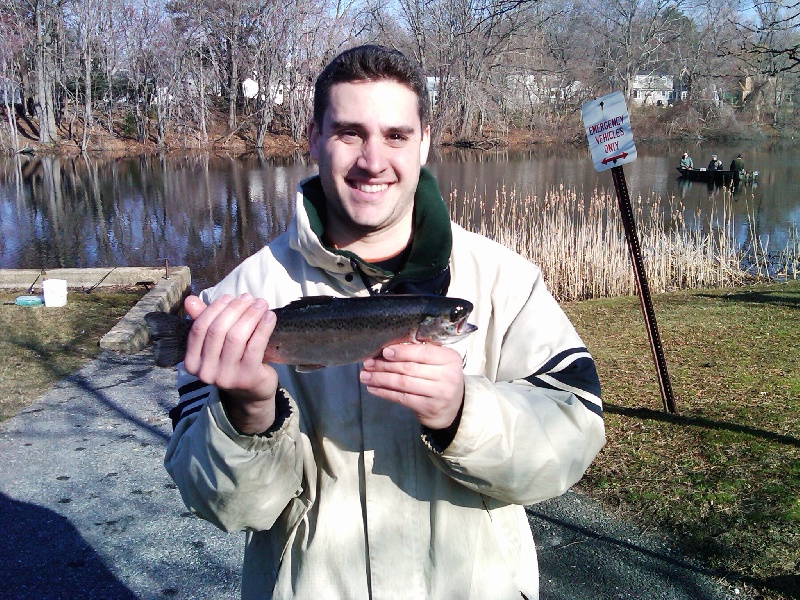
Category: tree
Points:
column 772, row 35
column 633, row 36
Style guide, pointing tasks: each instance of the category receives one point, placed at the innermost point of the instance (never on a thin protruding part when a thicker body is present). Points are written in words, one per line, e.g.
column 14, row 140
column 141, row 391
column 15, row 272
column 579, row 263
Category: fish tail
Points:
column 170, row 334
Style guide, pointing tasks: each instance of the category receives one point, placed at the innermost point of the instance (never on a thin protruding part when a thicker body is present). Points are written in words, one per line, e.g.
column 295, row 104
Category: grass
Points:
column 41, row 345
column 723, row 474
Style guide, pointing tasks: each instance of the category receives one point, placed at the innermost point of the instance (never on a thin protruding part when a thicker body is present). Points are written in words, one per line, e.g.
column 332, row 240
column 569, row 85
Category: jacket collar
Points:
column 427, row 268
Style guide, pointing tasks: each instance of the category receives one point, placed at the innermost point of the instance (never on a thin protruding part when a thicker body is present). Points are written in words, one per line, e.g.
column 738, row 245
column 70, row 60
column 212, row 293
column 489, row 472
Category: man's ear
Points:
column 313, row 139
column 425, row 145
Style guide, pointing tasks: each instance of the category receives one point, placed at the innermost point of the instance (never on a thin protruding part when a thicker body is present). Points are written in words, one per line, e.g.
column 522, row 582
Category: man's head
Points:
column 685, row 154
column 371, row 63
column 713, row 157
column 370, row 139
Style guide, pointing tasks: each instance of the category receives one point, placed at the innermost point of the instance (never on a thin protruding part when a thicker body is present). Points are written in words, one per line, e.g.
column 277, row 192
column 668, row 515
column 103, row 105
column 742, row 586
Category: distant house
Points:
column 541, row 89
column 433, row 90
column 654, row 89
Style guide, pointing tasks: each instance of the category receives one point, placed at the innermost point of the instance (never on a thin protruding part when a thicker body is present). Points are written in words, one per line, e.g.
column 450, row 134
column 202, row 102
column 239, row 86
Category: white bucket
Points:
column 55, row 292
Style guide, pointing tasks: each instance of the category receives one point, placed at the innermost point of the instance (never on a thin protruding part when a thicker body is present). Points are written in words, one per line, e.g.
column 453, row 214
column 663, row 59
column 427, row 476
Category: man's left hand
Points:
column 426, row 378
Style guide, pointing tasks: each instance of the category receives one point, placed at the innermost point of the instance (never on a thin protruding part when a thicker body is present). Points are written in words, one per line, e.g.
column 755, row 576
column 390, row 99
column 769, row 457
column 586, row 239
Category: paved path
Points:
column 88, row 511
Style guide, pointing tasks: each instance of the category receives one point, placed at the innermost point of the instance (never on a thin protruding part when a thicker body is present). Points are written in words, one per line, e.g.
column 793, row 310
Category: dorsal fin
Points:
column 307, row 301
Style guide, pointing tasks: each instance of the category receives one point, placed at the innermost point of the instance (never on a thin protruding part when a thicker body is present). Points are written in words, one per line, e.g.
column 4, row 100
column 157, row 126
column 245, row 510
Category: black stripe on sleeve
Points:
column 186, row 408
column 598, row 410
column 576, row 375
column 190, row 387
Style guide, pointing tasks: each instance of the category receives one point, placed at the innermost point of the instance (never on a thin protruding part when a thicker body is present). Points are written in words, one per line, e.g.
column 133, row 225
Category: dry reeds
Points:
column 580, row 245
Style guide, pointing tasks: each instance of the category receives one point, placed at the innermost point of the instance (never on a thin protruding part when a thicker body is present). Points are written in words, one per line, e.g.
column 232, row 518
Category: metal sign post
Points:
column 611, row 142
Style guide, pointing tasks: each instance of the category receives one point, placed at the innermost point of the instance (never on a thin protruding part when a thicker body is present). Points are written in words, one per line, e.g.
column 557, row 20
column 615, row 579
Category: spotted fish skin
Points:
column 323, row 331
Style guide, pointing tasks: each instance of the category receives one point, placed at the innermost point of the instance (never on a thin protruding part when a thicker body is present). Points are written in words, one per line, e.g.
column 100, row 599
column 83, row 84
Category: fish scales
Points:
column 321, row 331
column 349, row 333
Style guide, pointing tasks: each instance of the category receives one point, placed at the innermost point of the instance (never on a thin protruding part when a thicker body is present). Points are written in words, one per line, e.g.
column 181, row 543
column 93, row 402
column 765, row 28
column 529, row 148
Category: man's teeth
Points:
column 371, row 189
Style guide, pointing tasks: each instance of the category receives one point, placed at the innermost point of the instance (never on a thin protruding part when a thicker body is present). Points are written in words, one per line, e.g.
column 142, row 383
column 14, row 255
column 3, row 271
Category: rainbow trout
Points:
column 323, row 331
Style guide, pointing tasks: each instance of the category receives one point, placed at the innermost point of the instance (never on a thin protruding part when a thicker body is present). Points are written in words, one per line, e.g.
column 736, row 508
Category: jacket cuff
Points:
column 284, row 410
column 437, row 440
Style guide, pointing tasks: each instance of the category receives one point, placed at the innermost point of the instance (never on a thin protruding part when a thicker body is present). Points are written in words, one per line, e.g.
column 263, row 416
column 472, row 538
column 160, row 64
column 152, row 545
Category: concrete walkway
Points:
column 88, row 511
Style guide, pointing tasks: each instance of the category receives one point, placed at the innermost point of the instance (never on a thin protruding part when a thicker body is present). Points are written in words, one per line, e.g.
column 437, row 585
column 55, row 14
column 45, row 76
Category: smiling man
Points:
column 370, row 145
column 404, row 476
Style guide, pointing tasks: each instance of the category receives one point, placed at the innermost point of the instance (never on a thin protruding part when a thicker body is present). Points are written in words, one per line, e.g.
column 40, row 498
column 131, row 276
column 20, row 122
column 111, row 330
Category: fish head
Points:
column 447, row 324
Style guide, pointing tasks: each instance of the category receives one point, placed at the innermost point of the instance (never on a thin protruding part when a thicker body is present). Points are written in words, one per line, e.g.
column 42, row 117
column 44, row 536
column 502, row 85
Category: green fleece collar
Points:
column 432, row 241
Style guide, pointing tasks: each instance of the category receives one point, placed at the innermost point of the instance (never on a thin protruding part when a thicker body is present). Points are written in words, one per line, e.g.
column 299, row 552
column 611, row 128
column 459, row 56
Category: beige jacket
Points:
column 347, row 500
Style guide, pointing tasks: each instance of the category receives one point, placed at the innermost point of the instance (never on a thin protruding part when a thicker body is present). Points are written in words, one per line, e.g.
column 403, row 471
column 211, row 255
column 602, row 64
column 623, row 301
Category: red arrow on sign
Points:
column 605, row 161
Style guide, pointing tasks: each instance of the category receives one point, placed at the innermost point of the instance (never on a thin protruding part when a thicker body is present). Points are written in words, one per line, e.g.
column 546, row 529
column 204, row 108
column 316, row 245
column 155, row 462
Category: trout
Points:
column 323, row 331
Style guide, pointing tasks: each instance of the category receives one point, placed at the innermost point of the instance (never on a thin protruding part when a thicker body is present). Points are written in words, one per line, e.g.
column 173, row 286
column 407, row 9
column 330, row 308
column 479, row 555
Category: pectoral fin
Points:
column 307, row 368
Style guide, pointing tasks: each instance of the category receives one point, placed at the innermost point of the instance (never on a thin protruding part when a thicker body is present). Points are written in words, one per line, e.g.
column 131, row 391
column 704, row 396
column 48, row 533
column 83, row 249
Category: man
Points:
column 737, row 165
column 715, row 164
column 686, row 161
column 402, row 477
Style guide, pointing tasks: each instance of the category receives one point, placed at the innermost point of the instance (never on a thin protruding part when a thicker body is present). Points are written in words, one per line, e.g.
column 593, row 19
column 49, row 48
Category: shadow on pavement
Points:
column 43, row 556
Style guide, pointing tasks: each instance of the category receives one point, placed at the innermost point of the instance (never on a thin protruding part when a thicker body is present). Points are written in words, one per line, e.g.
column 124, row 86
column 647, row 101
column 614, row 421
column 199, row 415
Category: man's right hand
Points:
column 226, row 348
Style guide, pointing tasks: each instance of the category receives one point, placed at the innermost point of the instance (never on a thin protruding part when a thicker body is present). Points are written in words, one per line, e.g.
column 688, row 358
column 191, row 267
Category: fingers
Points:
column 198, row 334
column 426, row 378
column 194, row 306
column 228, row 339
column 244, row 341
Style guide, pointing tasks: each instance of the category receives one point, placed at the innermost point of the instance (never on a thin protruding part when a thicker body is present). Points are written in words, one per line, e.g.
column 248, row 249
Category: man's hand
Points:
column 426, row 378
column 226, row 348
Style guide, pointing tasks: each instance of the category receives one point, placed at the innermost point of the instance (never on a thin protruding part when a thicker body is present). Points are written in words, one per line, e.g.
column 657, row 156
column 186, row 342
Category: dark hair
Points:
column 371, row 63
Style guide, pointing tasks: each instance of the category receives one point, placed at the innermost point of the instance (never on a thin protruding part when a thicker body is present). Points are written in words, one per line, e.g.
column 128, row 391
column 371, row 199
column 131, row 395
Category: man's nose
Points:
column 372, row 158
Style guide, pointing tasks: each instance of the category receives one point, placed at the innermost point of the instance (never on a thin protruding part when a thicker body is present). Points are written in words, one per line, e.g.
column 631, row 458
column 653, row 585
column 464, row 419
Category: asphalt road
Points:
column 88, row 511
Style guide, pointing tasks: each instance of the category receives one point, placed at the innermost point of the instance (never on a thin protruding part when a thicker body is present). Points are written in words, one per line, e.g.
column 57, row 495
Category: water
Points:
column 211, row 212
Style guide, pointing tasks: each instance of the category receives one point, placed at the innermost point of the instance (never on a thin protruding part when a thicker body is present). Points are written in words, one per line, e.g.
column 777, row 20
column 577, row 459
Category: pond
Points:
column 210, row 212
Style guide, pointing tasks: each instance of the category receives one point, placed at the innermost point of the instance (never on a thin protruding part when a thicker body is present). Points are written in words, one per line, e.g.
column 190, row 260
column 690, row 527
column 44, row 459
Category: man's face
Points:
column 369, row 147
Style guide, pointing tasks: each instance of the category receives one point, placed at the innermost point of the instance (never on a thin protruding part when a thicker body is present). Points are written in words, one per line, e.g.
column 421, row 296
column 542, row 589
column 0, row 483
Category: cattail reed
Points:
column 580, row 245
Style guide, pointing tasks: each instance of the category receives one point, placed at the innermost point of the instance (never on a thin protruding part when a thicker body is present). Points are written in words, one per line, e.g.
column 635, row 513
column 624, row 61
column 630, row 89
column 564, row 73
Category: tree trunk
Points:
column 87, row 96
column 45, row 101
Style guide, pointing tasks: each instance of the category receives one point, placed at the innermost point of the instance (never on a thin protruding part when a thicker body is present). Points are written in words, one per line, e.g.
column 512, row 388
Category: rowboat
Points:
column 717, row 177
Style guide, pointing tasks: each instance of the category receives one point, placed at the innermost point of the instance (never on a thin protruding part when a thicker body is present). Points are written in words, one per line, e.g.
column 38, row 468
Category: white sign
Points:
column 608, row 129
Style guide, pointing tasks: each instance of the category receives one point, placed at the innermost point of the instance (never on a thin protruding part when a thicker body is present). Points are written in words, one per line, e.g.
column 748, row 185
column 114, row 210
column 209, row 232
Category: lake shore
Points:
column 650, row 125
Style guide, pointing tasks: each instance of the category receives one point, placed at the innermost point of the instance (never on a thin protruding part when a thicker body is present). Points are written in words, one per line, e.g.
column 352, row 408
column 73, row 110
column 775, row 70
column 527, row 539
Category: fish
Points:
column 324, row 331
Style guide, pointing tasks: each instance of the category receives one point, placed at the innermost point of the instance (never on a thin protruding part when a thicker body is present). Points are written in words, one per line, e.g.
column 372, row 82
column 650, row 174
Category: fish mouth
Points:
column 461, row 328
column 461, row 324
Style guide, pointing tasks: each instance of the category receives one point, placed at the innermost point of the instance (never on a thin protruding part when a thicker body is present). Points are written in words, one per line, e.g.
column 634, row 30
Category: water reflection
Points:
column 211, row 212
column 194, row 210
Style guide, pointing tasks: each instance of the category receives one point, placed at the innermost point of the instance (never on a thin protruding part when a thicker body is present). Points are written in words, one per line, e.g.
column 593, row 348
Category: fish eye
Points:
column 457, row 313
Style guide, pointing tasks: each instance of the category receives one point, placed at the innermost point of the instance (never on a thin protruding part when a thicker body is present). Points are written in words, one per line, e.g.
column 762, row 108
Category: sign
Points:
column 608, row 129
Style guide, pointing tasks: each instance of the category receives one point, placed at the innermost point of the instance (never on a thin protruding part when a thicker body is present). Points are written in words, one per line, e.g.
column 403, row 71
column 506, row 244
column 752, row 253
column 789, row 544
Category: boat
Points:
column 717, row 177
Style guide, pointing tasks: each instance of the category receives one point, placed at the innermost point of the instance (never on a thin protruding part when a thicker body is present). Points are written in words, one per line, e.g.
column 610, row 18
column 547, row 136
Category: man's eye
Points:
column 397, row 139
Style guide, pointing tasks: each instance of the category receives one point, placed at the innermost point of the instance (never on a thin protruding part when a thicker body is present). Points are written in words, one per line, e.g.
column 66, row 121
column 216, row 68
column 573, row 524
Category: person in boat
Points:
column 737, row 164
column 686, row 161
column 715, row 164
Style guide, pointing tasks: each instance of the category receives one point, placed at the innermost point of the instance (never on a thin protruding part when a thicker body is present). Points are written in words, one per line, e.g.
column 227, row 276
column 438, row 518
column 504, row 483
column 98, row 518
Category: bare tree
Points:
column 44, row 20
column 772, row 35
column 634, row 36
column 141, row 21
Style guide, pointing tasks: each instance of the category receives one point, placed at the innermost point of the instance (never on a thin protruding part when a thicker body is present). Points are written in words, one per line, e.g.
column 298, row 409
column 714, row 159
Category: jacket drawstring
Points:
column 364, row 278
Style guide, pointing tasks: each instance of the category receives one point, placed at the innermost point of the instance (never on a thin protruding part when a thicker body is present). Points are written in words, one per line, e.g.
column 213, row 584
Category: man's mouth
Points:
column 369, row 188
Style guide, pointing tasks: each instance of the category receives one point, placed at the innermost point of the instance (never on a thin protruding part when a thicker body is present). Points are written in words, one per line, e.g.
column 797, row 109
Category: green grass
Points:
column 723, row 474
column 41, row 345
